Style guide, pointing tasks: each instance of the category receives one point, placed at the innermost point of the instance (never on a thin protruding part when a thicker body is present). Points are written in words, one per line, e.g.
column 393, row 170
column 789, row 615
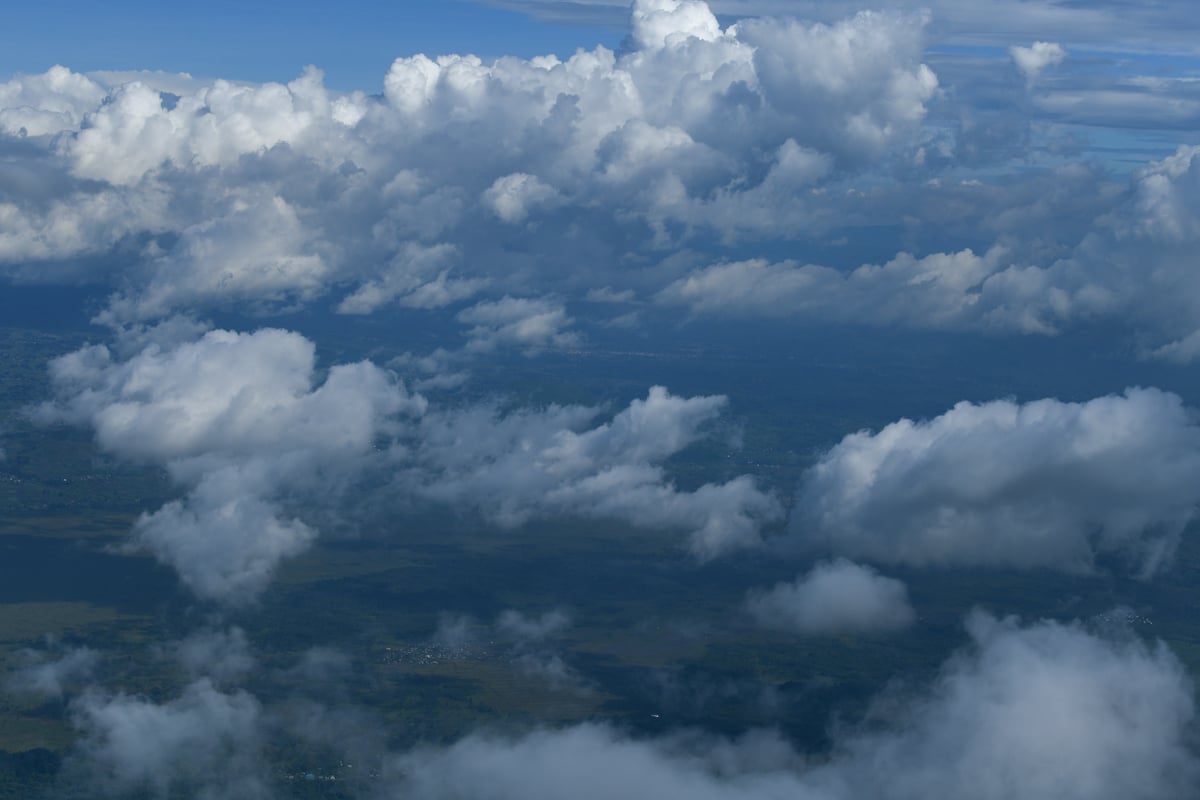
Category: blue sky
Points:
column 354, row 42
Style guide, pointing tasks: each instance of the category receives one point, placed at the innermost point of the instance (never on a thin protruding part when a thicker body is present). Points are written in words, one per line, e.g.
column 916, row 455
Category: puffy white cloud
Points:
column 257, row 252
column 237, row 419
column 529, row 464
column 418, row 277
column 851, row 67
column 658, row 23
column 1131, row 266
column 134, row 132
column 205, row 742
column 939, row 290
column 1040, row 484
column 56, row 100
column 1043, row 712
column 512, row 197
column 1047, row 711
column 223, row 540
column 1032, row 60
column 834, row 597
column 528, row 323
column 261, row 195
column 225, row 397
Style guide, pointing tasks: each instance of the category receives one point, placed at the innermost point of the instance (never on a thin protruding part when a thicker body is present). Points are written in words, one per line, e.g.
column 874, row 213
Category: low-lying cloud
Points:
column 834, row 598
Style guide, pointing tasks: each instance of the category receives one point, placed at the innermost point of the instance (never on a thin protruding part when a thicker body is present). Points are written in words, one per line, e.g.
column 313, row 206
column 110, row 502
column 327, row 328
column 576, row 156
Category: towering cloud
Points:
column 1040, row 484
column 261, row 195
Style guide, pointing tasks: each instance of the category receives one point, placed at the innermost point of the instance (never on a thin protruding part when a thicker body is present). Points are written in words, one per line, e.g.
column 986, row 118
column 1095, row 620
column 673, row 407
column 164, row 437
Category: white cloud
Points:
column 1041, row 712
column 417, row 277
column 658, row 23
column 225, row 397
column 257, row 252
column 939, row 290
column 204, row 742
column 134, row 133
column 513, row 197
column 1033, row 60
column 1040, row 484
column 236, row 419
column 224, row 544
column 532, row 324
column 834, row 597
column 539, row 463
column 38, row 105
column 1131, row 266
column 259, row 196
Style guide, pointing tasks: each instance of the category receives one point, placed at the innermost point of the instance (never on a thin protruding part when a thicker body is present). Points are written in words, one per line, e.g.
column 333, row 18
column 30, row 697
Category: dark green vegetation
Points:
column 656, row 641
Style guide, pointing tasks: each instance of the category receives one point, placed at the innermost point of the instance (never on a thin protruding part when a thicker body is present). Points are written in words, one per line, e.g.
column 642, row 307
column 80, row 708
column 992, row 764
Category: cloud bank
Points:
column 260, row 196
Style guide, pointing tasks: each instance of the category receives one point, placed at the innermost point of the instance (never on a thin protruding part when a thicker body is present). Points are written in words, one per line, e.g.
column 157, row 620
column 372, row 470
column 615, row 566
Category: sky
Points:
column 353, row 42
column 528, row 179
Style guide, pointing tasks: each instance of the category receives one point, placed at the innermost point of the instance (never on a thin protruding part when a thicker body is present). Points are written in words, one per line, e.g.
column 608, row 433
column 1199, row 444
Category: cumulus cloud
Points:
column 512, row 197
column 266, row 196
column 56, row 100
column 417, row 277
column 1040, row 484
column 262, row 196
column 1131, row 266
column 235, row 418
column 834, row 597
column 1046, row 711
column 238, row 420
column 1032, row 60
column 527, row 323
column 934, row 291
column 537, row 463
column 205, row 743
